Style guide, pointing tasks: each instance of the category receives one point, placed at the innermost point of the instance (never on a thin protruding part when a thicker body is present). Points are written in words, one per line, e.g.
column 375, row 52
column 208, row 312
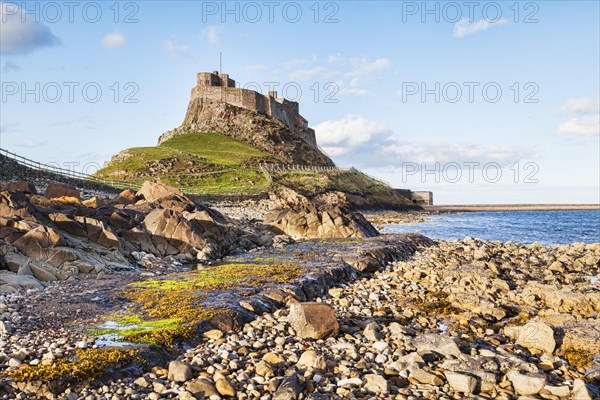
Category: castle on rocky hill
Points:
column 214, row 87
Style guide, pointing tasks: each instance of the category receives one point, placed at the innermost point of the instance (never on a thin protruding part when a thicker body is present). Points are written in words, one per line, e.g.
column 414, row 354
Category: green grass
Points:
column 215, row 148
column 311, row 182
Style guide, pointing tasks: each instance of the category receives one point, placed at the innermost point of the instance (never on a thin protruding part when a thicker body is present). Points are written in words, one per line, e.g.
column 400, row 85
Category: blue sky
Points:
column 525, row 128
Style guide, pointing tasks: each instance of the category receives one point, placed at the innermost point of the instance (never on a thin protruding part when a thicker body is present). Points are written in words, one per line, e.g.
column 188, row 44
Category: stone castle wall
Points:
column 219, row 88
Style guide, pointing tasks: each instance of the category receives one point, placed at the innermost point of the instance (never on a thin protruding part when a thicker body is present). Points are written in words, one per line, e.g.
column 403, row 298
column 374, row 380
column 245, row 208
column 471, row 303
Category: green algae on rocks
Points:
column 166, row 310
column 88, row 364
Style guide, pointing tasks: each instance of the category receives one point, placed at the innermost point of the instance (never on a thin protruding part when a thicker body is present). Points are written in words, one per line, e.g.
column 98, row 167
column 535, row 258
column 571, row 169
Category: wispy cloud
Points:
column 85, row 122
column 20, row 34
column 464, row 27
column 364, row 69
column 11, row 66
column 114, row 40
column 176, row 49
column 585, row 118
column 348, row 74
column 33, row 144
column 580, row 106
column 313, row 73
column 354, row 92
column 580, row 126
column 211, row 33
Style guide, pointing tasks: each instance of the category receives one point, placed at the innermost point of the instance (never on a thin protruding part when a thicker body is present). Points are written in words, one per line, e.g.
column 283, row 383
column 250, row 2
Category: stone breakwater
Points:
column 462, row 319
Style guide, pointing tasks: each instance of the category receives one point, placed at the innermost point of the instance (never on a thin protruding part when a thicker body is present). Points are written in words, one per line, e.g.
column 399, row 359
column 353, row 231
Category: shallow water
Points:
column 545, row 227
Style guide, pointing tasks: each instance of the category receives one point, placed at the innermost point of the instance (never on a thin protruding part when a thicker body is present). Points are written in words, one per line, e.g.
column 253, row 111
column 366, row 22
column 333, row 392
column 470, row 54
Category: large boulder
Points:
column 11, row 282
column 99, row 232
column 152, row 191
column 313, row 320
column 18, row 186
column 310, row 222
column 36, row 242
column 172, row 233
column 538, row 336
column 126, row 197
column 57, row 190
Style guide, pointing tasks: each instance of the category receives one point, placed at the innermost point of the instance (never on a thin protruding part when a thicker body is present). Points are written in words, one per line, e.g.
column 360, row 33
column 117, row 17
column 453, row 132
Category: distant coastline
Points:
column 511, row 207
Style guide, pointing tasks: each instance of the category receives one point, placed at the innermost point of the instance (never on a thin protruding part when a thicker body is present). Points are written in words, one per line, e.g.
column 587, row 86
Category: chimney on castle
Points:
column 273, row 94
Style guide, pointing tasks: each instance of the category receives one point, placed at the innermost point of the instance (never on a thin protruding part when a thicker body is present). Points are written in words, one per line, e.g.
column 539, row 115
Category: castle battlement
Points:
column 220, row 88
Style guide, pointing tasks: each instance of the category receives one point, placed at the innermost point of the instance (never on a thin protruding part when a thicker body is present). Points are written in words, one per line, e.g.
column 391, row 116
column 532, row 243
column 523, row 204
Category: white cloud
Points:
column 580, row 126
column 366, row 70
column 356, row 141
column 464, row 27
column 336, row 58
column 354, row 92
column 20, row 34
column 580, row 106
column 175, row 49
column 33, row 144
column 585, row 119
column 349, row 132
column 305, row 74
column 212, row 35
column 114, row 40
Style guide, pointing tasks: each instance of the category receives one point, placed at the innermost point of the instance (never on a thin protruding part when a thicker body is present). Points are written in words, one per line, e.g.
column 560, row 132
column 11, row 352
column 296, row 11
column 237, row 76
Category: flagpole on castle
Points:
column 220, row 62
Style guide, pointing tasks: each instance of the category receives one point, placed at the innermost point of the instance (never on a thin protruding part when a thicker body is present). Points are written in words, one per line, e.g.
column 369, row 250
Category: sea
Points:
column 544, row 227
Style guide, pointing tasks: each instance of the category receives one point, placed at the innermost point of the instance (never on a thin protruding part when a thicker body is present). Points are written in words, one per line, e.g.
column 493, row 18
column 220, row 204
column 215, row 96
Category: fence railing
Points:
column 66, row 173
column 265, row 168
column 298, row 167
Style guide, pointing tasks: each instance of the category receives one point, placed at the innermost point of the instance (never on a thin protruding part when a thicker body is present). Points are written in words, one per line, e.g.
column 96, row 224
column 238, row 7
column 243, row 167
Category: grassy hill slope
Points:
column 199, row 162
column 219, row 165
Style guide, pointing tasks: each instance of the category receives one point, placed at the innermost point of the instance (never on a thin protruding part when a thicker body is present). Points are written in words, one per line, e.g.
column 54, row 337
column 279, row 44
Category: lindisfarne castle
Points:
column 267, row 122
column 217, row 87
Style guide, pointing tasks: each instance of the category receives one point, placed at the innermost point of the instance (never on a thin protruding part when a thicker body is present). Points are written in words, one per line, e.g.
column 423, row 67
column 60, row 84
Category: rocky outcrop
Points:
column 299, row 217
column 55, row 239
column 261, row 131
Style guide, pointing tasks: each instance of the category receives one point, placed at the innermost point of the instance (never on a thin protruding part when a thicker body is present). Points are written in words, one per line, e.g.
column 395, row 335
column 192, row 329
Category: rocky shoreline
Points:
column 389, row 316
